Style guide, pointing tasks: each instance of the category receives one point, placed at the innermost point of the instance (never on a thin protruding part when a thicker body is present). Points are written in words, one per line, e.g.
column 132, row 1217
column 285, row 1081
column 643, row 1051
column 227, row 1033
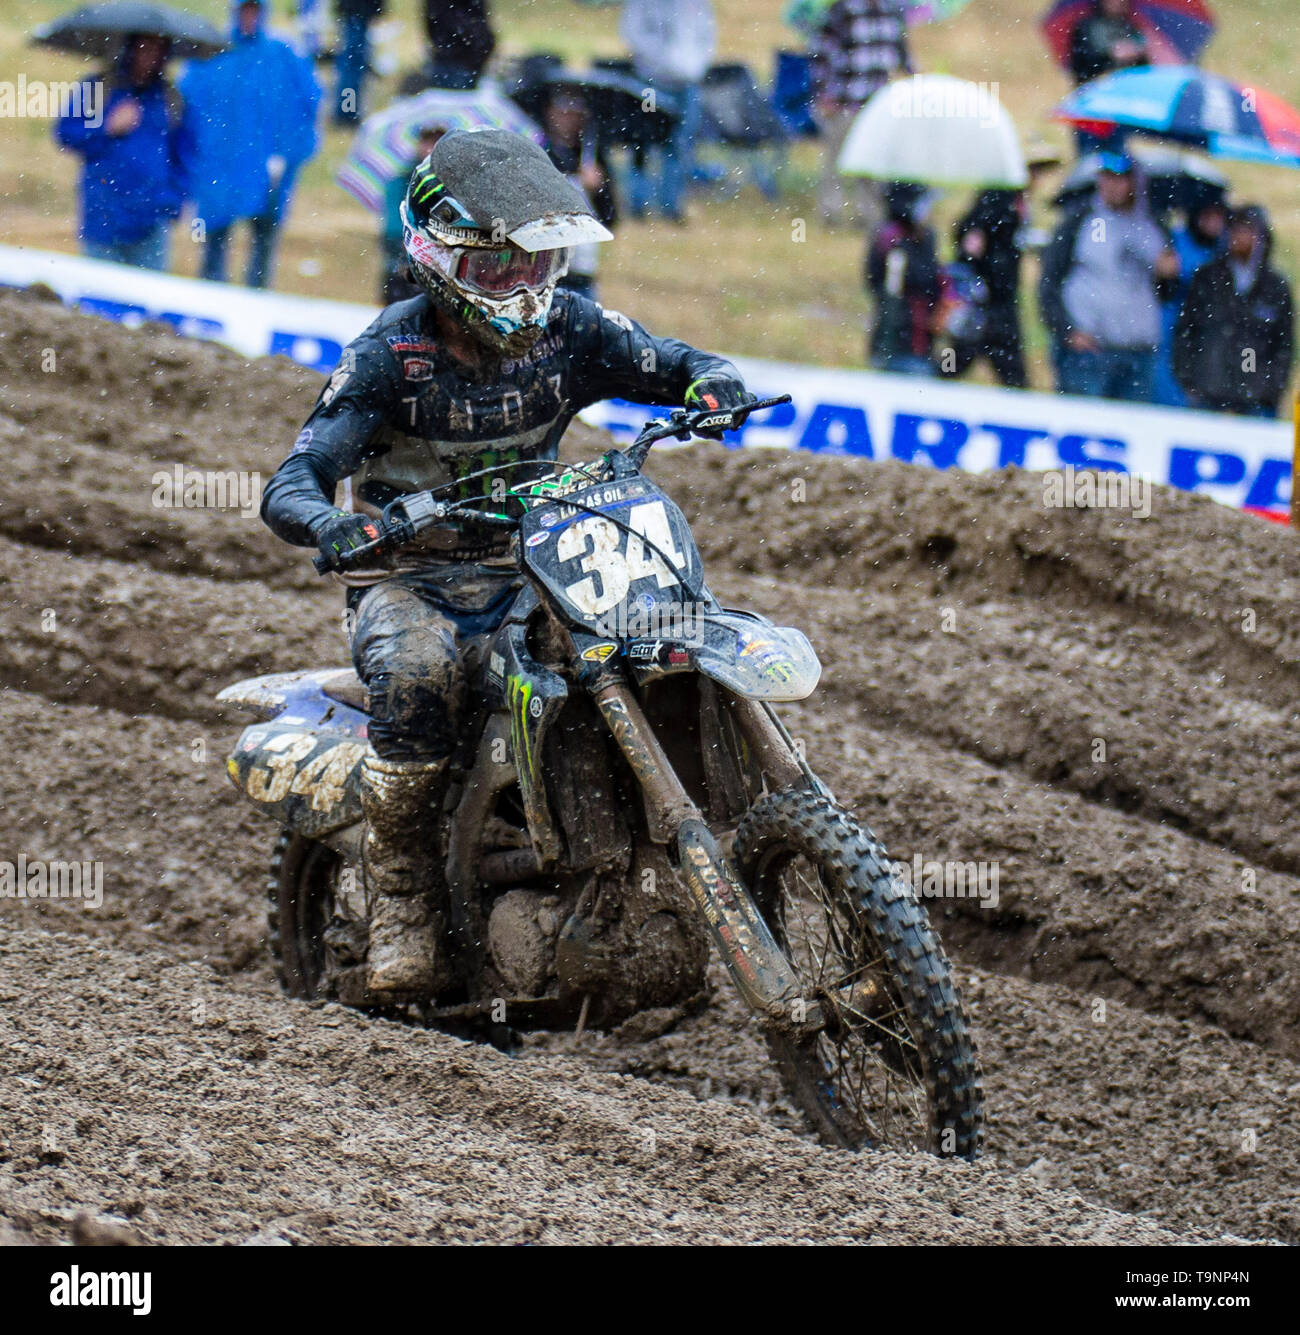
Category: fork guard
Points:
column 756, row 963
column 751, row 954
column 534, row 697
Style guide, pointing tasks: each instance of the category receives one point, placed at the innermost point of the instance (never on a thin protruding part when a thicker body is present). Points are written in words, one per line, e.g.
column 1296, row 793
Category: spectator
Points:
column 906, row 281
column 461, row 42
column 255, row 121
column 672, row 43
column 859, row 46
column 1108, row 39
column 133, row 180
column 353, row 60
column 987, row 238
column 309, row 27
column 572, row 147
column 1196, row 243
column 1099, row 289
column 1235, row 340
column 396, row 283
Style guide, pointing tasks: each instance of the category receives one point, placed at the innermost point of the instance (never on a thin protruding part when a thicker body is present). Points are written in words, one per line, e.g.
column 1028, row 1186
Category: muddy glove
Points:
column 717, row 393
column 342, row 533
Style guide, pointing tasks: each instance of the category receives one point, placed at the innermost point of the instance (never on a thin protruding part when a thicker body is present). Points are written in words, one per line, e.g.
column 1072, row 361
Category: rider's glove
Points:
column 342, row 533
column 717, row 393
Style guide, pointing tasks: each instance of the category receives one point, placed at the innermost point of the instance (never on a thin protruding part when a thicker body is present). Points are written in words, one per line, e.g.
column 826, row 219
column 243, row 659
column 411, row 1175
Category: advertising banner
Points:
column 1239, row 461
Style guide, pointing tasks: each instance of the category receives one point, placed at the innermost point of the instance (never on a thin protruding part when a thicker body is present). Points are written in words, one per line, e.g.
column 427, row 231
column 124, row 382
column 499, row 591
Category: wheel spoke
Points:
column 871, row 1063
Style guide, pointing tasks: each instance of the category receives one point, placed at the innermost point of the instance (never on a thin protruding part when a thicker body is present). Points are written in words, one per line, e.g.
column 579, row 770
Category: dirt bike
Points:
column 626, row 795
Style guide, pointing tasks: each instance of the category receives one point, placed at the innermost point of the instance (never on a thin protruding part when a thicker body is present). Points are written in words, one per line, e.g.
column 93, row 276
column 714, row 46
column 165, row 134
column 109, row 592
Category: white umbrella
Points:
column 936, row 130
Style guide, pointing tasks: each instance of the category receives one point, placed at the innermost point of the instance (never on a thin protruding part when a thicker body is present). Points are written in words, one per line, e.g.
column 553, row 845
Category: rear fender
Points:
column 320, row 697
column 301, row 766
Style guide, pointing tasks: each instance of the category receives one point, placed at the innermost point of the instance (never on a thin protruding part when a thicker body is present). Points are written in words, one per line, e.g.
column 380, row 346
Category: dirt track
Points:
column 1135, row 990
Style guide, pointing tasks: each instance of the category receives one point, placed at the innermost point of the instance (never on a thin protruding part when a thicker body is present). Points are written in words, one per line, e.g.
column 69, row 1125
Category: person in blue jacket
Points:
column 134, row 150
column 1199, row 240
column 254, row 113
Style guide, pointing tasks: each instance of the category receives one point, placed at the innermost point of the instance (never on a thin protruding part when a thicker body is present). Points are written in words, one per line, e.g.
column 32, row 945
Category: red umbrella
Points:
column 1176, row 30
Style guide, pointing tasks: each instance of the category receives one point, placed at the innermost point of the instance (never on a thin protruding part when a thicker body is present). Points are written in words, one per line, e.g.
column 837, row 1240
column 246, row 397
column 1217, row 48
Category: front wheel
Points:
column 894, row 1066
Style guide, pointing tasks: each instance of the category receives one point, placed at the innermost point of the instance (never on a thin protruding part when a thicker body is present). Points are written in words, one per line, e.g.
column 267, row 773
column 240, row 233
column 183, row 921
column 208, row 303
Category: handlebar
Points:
column 682, row 425
column 404, row 519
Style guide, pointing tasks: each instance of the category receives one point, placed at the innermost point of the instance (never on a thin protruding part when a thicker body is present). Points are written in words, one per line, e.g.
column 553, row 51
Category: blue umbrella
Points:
column 1188, row 106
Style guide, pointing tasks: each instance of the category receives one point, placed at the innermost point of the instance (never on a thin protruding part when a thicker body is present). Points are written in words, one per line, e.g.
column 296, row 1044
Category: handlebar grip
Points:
column 347, row 560
column 741, row 414
column 775, row 401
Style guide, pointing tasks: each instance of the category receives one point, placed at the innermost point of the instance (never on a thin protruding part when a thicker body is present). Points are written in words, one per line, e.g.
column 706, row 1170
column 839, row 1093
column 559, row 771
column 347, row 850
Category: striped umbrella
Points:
column 386, row 143
column 806, row 15
column 1176, row 30
column 933, row 11
column 1188, row 106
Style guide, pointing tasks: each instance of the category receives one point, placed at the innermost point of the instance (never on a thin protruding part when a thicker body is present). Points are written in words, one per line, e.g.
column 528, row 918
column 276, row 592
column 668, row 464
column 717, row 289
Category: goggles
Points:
column 490, row 272
column 495, row 273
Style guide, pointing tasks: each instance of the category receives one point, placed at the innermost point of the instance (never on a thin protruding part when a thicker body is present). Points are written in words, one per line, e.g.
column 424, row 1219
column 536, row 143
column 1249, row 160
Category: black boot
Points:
column 404, row 886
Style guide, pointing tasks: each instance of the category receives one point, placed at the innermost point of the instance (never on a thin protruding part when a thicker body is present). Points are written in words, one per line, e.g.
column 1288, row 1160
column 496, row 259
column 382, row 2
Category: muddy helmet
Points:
column 487, row 225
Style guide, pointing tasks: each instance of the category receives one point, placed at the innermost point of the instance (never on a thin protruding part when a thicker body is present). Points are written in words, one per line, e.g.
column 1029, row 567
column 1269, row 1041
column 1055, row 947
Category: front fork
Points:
column 757, row 965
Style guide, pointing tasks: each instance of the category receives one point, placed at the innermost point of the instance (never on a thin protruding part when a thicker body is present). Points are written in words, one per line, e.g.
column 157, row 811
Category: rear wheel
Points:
column 895, row 1065
column 315, row 943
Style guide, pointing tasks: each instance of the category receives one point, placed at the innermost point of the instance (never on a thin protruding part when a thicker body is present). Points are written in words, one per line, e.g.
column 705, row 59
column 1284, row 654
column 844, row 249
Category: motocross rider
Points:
column 485, row 368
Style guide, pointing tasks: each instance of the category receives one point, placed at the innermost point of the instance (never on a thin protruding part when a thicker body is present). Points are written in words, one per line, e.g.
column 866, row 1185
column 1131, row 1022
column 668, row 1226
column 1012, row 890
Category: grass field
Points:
column 735, row 279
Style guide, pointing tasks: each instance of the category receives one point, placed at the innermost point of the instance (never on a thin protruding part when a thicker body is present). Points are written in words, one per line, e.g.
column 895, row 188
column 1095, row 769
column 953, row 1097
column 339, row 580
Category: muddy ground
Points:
column 1102, row 705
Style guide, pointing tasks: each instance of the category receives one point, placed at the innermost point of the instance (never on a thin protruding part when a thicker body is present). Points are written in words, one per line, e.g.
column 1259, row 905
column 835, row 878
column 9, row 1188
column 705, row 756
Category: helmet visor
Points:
column 494, row 273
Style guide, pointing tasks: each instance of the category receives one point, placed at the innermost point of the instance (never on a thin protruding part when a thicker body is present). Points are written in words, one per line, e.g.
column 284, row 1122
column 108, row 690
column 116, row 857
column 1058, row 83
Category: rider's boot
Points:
column 405, row 888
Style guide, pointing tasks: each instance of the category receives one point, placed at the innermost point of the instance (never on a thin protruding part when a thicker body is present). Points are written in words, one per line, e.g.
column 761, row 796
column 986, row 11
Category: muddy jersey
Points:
column 400, row 415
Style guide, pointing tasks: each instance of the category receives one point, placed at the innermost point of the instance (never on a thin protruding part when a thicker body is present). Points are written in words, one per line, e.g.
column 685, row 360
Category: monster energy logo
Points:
column 490, row 485
column 427, row 187
column 521, row 693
